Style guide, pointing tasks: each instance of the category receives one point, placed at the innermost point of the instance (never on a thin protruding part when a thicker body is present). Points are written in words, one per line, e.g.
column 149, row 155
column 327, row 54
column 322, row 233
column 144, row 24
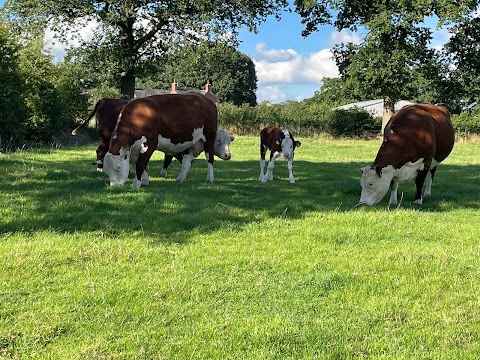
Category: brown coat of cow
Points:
column 169, row 123
column 106, row 114
column 415, row 140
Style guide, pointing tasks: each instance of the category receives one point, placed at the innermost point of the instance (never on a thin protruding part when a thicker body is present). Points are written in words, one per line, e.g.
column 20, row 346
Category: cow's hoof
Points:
column 292, row 181
column 163, row 173
column 136, row 183
column 427, row 193
column 418, row 202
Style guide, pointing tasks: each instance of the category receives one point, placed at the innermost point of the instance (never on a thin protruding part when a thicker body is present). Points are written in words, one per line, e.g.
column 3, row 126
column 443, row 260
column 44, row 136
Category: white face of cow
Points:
column 374, row 185
column 222, row 145
column 117, row 167
column 287, row 145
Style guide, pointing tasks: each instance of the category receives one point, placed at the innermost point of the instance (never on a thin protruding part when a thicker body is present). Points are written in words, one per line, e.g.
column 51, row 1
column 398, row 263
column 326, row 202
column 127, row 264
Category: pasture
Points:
column 237, row 269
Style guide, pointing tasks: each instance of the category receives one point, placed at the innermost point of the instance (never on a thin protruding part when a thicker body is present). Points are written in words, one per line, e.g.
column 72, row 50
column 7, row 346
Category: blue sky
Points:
column 289, row 67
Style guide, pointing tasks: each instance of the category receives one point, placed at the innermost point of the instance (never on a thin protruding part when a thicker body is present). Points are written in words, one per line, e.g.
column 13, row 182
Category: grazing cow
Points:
column 281, row 144
column 171, row 123
column 416, row 139
column 106, row 113
column 222, row 150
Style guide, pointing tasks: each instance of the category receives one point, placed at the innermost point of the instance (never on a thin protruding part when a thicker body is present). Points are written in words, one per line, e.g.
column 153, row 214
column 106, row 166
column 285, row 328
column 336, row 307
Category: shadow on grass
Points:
column 69, row 196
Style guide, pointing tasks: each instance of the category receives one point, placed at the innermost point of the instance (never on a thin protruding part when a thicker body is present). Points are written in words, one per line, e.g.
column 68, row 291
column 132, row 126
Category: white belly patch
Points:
column 409, row 170
column 166, row 145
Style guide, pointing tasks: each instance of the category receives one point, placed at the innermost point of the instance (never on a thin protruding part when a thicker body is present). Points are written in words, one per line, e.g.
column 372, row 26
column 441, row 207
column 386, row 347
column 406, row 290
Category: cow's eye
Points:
column 125, row 157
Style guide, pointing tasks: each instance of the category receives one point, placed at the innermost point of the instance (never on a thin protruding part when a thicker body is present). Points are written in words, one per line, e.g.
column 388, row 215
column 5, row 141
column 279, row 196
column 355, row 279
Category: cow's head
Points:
column 222, row 145
column 287, row 143
column 375, row 183
column 117, row 166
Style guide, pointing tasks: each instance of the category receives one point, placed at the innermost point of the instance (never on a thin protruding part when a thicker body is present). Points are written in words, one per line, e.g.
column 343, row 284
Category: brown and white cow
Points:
column 171, row 123
column 106, row 113
column 281, row 144
column 415, row 140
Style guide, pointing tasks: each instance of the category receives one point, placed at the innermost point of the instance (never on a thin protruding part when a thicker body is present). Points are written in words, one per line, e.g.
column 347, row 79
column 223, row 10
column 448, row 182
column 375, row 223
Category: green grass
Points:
column 237, row 269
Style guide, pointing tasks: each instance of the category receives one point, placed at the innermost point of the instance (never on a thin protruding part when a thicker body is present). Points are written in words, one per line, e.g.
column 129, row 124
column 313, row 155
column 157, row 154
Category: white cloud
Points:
column 344, row 36
column 273, row 55
column 58, row 49
column 296, row 69
column 273, row 94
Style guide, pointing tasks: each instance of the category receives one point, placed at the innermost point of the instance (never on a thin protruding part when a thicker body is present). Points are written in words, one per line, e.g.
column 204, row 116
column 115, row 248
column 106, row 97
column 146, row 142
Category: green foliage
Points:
column 303, row 118
column 41, row 96
column 132, row 32
column 463, row 47
column 231, row 73
column 466, row 123
column 352, row 122
column 13, row 111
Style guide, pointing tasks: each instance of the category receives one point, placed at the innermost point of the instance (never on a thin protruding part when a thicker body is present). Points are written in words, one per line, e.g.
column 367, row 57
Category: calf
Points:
column 281, row 144
column 416, row 139
column 169, row 123
column 106, row 113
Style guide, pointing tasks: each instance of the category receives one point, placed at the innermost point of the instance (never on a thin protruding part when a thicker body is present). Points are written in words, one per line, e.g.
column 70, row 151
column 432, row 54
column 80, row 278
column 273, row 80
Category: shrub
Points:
column 13, row 110
column 352, row 122
column 466, row 123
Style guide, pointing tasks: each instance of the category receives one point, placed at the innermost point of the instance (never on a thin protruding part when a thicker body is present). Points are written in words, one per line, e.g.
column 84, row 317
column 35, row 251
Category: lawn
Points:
column 237, row 269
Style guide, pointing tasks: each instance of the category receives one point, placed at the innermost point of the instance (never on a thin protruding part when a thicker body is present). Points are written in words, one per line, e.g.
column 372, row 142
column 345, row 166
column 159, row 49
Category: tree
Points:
column 464, row 47
column 13, row 111
column 138, row 30
column 395, row 42
column 231, row 73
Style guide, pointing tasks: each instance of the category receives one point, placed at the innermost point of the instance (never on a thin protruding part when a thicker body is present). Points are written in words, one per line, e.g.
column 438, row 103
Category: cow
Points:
column 415, row 140
column 281, row 144
column 222, row 150
column 171, row 123
column 106, row 114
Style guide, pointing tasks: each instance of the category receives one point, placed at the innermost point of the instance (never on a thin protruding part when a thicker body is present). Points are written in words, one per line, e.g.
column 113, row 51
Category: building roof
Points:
column 374, row 107
column 207, row 91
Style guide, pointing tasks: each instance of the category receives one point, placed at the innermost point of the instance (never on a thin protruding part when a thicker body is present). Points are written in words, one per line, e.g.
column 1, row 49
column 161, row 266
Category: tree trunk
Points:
column 388, row 110
column 127, row 84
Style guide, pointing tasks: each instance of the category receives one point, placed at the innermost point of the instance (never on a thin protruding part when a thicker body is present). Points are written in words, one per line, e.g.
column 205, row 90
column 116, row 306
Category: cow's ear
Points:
column 378, row 170
column 297, row 143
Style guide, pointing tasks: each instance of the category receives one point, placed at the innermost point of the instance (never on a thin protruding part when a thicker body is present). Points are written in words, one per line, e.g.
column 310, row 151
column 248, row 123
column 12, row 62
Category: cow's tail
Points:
column 82, row 125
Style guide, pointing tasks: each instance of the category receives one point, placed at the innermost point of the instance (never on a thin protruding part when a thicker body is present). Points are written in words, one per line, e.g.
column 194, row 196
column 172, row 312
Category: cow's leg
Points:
column 419, row 181
column 166, row 163
column 141, row 175
column 263, row 151
column 271, row 164
column 428, row 182
column 209, row 148
column 393, row 194
column 186, row 164
column 290, row 170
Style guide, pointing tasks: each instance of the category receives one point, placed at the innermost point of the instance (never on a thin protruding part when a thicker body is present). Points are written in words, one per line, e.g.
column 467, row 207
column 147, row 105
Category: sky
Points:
column 288, row 66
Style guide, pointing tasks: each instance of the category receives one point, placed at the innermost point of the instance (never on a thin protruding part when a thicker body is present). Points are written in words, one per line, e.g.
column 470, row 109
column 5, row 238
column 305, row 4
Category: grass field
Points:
column 237, row 269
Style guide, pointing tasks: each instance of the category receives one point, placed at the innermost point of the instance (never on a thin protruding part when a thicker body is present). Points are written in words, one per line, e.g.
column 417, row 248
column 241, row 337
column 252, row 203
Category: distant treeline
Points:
column 311, row 118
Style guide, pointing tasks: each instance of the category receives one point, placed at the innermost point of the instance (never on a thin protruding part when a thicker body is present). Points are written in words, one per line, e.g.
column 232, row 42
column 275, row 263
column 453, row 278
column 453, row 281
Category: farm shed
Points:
column 373, row 107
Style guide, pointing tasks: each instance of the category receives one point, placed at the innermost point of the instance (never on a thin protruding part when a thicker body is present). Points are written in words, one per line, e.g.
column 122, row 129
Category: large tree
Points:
column 140, row 30
column 395, row 43
column 231, row 73
column 464, row 49
column 13, row 110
